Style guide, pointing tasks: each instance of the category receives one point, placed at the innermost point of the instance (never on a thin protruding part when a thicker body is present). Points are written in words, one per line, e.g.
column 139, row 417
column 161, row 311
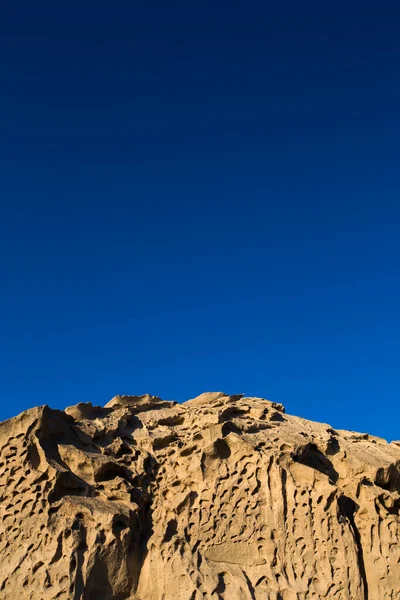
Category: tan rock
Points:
column 220, row 498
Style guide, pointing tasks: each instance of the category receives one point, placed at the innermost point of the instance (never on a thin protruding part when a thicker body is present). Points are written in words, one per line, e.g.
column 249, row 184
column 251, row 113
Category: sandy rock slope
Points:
column 222, row 497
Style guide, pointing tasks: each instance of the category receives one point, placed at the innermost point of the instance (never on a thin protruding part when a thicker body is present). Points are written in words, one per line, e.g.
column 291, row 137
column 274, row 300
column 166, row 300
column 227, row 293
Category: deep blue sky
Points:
column 202, row 196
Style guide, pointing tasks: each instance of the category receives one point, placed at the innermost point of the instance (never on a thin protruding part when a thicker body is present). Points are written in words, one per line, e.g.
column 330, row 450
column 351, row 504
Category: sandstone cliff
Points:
column 222, row 497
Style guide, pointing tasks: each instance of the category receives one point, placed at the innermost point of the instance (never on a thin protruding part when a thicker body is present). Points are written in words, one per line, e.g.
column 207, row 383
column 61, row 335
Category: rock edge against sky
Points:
column 221, row 497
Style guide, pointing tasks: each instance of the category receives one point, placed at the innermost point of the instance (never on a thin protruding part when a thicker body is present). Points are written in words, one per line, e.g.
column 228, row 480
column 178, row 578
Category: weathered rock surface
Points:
column 220, row 497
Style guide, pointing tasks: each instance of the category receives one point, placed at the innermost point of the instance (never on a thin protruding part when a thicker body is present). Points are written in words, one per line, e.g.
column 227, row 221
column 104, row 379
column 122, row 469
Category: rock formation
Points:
column 222, row 497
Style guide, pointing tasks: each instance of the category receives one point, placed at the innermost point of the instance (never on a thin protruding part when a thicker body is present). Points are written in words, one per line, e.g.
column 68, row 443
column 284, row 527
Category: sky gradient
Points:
column 202, row 196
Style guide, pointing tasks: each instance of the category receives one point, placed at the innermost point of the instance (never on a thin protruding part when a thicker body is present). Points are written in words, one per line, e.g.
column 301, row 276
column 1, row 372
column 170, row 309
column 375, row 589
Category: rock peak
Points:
column 222, row 497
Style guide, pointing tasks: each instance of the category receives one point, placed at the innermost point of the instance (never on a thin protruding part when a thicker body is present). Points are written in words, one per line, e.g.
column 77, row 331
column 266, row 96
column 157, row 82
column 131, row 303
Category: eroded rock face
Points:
column 222, row 497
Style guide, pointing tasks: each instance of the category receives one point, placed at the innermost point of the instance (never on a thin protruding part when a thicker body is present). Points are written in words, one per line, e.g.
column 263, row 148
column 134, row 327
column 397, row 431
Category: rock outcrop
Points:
column 222, row 497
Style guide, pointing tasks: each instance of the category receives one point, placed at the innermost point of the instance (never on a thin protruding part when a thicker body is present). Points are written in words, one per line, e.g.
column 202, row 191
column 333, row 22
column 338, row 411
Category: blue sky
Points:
column 201, row 196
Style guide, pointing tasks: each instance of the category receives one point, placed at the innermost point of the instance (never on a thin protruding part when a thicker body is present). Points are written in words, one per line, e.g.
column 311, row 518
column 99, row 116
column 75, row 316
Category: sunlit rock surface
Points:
column 222, row 497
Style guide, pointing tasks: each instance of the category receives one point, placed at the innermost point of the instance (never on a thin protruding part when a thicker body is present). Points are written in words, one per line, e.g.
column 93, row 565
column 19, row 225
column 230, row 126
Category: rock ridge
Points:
column 221, row 497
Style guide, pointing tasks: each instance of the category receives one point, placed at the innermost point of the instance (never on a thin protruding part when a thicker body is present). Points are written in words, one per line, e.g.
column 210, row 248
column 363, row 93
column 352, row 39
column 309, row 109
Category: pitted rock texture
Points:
column 222, row 497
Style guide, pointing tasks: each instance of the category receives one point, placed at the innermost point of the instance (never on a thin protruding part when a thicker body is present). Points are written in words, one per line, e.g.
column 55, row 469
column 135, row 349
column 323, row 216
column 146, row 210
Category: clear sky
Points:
column 202, row 196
